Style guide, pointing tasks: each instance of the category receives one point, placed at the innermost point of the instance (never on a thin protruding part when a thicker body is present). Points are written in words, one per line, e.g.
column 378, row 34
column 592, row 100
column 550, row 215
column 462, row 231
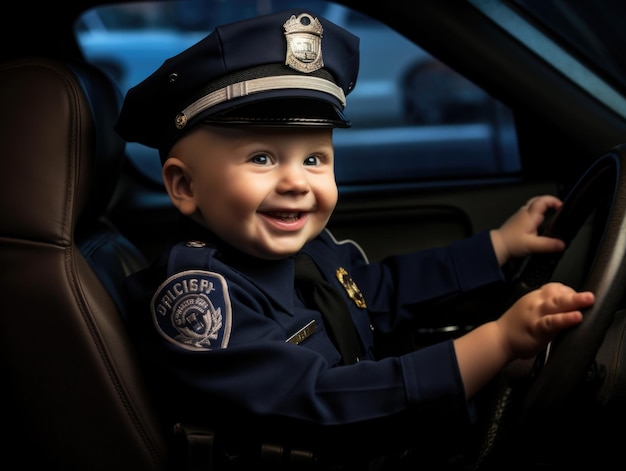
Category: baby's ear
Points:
column 178, row 185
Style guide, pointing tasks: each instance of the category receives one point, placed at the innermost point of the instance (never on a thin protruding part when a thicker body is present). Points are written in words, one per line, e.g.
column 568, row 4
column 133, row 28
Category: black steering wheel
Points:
column 550, row 392
column 566, row 363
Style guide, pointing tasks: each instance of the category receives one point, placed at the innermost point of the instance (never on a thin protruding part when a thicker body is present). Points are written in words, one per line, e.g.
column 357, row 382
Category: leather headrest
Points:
column 61, row 161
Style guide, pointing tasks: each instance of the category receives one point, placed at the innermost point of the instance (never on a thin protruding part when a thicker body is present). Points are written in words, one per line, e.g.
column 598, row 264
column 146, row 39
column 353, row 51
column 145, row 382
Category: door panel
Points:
column 387, row 224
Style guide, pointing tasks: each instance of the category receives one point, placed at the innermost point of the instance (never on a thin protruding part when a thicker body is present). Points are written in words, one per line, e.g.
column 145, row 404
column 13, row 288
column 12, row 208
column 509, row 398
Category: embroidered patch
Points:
column 192, row 309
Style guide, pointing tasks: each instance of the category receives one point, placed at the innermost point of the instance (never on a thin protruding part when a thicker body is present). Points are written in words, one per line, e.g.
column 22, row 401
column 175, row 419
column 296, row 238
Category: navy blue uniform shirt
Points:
column 231, row 332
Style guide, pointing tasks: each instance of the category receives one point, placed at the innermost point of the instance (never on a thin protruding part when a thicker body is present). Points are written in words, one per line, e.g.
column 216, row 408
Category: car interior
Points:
column 70, row 233
column 67, row 264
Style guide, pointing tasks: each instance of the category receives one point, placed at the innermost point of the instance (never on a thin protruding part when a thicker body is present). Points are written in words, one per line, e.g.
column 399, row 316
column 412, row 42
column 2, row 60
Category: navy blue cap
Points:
column 291, row 68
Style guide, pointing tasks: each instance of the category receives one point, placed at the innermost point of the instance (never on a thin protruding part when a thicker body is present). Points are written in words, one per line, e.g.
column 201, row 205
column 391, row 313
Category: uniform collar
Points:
column 274, row 277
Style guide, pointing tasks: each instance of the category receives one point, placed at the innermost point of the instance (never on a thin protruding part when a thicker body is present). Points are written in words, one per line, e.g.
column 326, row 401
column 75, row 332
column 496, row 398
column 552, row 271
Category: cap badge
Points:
column 304, row 43
column 351, row 288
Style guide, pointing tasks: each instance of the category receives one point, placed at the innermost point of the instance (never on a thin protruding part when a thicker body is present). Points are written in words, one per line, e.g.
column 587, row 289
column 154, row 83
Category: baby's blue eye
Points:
column 311, row 160
column 261, row 159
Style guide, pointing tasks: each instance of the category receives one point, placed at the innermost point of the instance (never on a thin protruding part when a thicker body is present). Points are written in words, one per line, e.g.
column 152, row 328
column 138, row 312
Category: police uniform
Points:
column 229, row 330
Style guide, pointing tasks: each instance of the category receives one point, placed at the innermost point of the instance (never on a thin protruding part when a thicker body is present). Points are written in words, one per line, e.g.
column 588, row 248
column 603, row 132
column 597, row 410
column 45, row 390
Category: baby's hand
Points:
column 529, row 325
column 518, row 236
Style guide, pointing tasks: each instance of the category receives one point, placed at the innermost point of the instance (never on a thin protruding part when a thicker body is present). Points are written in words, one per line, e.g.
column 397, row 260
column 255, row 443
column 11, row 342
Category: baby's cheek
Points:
column 327, row 197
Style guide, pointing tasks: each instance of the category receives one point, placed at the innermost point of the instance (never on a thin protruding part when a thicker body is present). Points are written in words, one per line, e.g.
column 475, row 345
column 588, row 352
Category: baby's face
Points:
column 265, row 190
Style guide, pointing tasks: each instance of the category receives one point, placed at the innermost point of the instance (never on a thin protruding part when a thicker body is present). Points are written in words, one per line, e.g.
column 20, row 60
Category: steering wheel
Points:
column 561, row 372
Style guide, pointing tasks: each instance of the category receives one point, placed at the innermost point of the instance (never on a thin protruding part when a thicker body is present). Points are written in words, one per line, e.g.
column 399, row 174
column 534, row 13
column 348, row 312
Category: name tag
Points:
column 303, row 333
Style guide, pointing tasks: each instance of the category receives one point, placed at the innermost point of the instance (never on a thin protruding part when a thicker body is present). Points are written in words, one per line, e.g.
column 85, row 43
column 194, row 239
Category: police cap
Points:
column 292, row 68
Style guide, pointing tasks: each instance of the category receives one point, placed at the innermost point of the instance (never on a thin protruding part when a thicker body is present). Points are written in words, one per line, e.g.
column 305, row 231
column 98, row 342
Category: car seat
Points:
column 74, row 395
column 74, row 391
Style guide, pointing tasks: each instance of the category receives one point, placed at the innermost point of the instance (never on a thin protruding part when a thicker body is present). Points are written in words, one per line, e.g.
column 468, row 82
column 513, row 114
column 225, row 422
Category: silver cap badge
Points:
column 304, row 43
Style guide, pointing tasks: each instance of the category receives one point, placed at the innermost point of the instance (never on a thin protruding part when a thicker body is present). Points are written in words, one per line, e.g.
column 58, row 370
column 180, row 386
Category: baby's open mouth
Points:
column 284, row 216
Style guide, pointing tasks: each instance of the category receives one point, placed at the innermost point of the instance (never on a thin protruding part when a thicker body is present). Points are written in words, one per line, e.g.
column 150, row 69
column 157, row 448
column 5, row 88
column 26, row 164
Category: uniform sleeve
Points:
column 396, row 287
column 281, row 380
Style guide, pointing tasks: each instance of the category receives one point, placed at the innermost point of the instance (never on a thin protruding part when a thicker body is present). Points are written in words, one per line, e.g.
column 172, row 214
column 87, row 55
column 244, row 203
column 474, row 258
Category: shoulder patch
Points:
column 193, row 310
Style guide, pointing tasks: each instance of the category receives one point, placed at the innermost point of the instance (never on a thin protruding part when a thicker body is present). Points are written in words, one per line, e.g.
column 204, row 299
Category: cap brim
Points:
column 268, row 111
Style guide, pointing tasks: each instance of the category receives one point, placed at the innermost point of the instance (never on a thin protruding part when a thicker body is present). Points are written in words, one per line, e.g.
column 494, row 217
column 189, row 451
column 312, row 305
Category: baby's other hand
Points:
column 518, row 236
column 533, row 321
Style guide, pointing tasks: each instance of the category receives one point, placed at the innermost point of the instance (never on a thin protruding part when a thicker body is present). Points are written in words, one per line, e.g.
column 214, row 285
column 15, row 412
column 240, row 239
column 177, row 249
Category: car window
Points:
column 593, row 30
column 414, row 119
column 583, row 40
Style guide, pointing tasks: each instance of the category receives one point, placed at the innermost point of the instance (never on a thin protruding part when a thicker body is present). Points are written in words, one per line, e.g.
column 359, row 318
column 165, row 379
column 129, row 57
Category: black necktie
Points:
column 318, row 294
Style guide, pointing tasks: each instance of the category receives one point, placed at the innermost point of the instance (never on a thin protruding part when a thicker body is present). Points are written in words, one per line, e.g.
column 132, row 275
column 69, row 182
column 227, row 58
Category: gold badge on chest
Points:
column 351, row 288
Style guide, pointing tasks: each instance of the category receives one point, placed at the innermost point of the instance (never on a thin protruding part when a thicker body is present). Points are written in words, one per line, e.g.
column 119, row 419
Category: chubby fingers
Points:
column 560, row 307
column 540, row 204
column 544, row 244
column 558, row 297
column 537, row 207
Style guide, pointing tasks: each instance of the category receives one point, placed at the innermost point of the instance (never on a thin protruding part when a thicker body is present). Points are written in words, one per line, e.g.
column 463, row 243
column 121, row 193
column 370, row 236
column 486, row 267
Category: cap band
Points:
column 263, row 84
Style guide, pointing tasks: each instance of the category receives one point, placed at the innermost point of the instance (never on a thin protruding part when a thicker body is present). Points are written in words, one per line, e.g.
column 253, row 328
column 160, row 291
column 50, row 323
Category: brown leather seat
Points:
column 76, row 400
